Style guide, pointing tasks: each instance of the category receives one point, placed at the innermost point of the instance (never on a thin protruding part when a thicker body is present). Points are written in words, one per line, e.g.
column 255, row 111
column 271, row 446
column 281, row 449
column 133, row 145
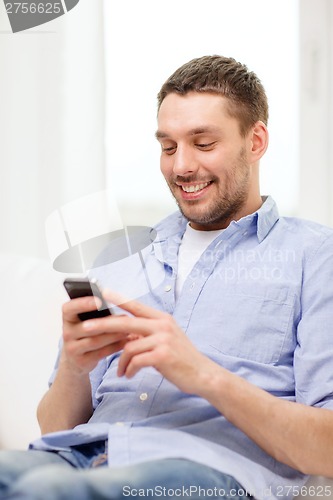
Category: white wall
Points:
column 51, row 121
column 316, row 110
column 51, row 152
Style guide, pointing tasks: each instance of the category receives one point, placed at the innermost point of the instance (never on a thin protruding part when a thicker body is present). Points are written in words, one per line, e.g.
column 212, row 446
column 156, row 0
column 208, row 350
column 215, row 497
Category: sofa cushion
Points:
column 31, row 296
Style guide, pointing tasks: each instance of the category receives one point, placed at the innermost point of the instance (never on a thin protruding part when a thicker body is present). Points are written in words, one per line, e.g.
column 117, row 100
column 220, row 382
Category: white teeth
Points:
column 194, row 189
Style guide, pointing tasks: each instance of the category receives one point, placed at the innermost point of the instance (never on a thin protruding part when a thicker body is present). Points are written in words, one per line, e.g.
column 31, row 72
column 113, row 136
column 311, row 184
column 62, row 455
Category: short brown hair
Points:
column 225, row 76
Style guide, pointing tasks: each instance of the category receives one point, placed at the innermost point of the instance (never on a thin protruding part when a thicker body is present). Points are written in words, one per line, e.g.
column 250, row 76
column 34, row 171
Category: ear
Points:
column 258, row 137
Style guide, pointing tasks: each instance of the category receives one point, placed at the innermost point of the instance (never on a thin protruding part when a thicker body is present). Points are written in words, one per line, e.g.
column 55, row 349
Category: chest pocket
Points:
column 249, row 324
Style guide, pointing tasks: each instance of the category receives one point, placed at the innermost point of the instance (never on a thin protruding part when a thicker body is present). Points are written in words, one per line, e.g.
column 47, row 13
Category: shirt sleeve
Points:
column 96, row 375
column 56, row 365
column 313, row 358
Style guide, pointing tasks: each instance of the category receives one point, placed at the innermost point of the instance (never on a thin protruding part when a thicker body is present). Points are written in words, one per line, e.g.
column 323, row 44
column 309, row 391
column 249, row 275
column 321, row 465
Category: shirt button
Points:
column 143, row 396
column 167, row 288
column 192, row 286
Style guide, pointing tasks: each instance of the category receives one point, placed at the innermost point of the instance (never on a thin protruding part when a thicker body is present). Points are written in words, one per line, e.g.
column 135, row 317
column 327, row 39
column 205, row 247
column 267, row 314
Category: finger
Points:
column 80, row 330
column 72, row 308
column 111, row 349
column 142, row 360
column 121, row 324
column 131, row 350
column 132, row 306
column 88, row 361
column 99, row 342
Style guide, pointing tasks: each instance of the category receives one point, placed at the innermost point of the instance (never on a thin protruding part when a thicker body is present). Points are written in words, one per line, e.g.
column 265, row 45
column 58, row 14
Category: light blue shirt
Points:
column 259, row 302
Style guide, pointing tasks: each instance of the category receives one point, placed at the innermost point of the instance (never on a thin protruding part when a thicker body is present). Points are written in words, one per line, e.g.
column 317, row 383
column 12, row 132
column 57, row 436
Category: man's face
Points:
column 204, row 159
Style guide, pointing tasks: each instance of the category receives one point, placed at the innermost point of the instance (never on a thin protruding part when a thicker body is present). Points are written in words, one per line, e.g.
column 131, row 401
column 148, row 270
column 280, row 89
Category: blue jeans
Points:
column 82, row 474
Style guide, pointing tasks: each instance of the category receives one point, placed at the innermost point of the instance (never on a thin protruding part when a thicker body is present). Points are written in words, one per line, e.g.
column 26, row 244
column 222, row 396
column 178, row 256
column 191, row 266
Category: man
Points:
column 219, row 381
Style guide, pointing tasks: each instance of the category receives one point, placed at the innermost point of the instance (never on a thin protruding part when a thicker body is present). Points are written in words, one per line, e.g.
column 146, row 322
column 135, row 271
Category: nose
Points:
column 184, row 161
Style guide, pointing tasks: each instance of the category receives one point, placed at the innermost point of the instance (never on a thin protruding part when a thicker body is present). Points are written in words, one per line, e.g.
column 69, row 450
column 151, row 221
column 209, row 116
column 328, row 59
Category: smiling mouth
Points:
column 194, row 188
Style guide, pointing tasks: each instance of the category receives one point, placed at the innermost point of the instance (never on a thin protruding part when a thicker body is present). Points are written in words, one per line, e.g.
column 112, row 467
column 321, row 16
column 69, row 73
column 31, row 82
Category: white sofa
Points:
column 31, row 296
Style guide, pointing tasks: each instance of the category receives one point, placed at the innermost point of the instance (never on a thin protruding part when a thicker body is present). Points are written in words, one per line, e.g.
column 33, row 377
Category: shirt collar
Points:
column 267, row 215
column 263, row 219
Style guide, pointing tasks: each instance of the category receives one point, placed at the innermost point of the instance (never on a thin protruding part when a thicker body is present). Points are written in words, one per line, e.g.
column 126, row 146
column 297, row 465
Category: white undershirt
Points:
column 192, row 246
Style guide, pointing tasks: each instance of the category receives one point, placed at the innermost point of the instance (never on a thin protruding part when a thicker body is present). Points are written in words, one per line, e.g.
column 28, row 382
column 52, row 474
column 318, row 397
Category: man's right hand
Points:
column 68, row 402
column 83, row 349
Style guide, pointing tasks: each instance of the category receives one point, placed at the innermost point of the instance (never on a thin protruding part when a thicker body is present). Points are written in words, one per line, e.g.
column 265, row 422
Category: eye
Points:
column 206, row 146
column 169, row 150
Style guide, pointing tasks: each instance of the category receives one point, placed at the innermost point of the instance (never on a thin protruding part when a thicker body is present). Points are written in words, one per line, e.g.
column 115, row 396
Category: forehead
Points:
column 193, row 111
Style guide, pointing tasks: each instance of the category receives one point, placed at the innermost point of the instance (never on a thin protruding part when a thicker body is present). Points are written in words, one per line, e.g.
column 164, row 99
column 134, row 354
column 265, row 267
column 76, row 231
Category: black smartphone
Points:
column 82, row 287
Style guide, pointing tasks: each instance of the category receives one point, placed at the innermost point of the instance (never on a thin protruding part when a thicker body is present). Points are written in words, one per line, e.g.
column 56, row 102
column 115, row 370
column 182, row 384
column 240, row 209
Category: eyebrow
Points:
column 159, row 134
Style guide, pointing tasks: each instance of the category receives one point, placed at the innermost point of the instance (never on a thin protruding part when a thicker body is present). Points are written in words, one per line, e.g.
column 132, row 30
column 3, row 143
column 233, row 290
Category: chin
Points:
column 197, row 218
